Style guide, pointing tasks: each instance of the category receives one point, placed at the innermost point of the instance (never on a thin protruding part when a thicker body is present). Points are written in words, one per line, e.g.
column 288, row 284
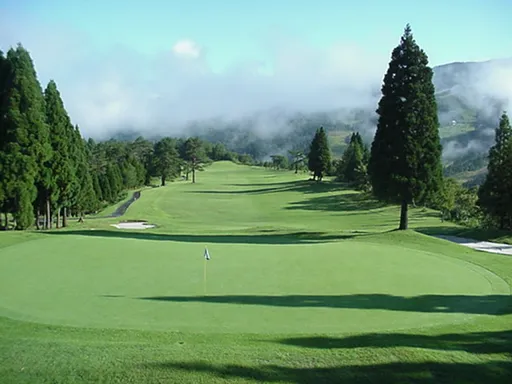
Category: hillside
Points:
column 470, row 98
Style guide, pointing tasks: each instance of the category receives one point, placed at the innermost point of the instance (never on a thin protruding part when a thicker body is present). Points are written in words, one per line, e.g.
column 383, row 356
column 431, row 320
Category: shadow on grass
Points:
column 389, row 373
column 303, row 186
column 352, row 201
column 285, row 238
column 477, row 343
column 486, row 305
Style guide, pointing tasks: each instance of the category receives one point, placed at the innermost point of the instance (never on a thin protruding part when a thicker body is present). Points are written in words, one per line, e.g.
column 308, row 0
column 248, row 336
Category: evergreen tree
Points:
column 26, row 146
column 353, row 160
column 3, row 139
column 319, row 157
column 61, row 165
column 405, row 162
column 165, row 159
column 195, row 156
column 495, row 193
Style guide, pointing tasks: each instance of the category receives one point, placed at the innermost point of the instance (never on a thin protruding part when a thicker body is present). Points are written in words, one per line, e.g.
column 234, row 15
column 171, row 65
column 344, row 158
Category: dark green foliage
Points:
column 319, row 157
column 354, row 160
column 405, row 162
column 194, row 156
column 25, row 141
column 298, row 159
column 166, row 163
column 279, row 162
column 495, row 194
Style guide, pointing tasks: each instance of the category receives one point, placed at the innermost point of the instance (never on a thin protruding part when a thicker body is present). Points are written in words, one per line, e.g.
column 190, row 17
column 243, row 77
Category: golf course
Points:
column 307, row 282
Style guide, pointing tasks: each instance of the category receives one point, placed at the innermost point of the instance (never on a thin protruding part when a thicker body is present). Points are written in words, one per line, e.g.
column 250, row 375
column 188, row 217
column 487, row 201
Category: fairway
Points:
column 307, row 282
column 257, row 282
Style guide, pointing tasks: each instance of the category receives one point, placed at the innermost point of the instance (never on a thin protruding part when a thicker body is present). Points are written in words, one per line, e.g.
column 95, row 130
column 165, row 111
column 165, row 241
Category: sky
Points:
column 158, row 63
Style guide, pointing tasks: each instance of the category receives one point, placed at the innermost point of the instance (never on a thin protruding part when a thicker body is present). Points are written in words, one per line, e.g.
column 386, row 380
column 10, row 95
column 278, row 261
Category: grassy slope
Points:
column 270, row 210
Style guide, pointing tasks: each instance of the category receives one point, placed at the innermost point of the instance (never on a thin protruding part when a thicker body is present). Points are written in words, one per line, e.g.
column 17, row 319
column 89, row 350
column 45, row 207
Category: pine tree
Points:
column 319, row 157
column 195, row 156
column 405, row 161
column 495, row 193
column 26, row 146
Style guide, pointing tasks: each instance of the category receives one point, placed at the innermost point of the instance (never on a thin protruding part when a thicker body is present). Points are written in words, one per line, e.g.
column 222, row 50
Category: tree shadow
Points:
column 388, row 373
column 351, row 201
column 477, row 343
column 439, row 230
column 263, row 238
column 302, row 186
column 485, row 305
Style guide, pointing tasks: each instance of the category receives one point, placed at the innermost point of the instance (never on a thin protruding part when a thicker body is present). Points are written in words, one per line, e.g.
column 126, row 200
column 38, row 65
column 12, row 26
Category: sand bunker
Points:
column 485, row 246
column 133, row 225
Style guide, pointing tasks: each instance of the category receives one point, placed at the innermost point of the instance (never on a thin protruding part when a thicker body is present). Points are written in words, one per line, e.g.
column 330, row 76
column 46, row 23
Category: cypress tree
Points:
column 319, row 157
column 26, row 148
column 495, row 193
column 353, row 160
column 61, row 166
column 3, row 139
column 405, row 161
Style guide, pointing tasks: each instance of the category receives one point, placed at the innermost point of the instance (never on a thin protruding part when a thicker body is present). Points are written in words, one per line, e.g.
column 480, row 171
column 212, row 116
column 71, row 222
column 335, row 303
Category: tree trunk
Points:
column 502, row 222
column 6, row 216
column 64, row 217
column 48, row 214
column 193, row 175
column 38, row 215
column 296, row 167
column 57, row 223
column 404, row 220
column 163, row 180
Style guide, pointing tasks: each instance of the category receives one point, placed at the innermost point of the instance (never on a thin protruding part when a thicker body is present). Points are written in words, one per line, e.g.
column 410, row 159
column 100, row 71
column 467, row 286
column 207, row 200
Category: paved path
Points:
column 485, row 246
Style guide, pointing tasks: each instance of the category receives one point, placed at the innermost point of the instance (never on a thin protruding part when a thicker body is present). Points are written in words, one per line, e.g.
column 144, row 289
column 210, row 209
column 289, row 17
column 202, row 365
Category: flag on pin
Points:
column 206, row 254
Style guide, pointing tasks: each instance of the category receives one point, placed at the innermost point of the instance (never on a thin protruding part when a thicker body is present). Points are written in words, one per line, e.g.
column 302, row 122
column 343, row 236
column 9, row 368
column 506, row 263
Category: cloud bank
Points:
column 118, row 88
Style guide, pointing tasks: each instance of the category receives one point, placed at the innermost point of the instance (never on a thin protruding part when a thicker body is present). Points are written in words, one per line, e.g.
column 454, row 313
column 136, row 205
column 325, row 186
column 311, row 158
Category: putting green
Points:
column 343, row 286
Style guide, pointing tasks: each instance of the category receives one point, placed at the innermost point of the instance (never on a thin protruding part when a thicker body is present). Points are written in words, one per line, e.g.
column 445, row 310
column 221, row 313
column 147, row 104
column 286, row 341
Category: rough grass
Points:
column 307, row 283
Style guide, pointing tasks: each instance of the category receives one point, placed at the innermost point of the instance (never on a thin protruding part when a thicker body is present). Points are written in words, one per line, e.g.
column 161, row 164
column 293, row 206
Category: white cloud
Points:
column 187, row 48
column 106, row 90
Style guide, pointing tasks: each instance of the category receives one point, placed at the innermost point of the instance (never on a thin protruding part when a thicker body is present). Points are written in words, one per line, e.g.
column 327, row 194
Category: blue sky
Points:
column 132, row 63
column 231, row 30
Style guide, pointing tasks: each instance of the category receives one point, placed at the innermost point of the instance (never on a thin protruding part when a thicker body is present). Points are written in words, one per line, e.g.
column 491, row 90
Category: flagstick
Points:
column 204, row 278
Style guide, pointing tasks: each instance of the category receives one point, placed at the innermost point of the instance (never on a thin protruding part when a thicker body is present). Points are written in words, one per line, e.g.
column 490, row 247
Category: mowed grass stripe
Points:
column 307, row 283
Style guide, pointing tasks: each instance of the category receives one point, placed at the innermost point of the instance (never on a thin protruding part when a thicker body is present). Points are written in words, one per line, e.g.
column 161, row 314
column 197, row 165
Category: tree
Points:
column 405, row 160
column 298, row 158
column 25, row 140
column 353, row 160
column 165, row 159
column 319, row 157
column 194, row 156
column 495, row 193
column 60, row 165
column 279, row 161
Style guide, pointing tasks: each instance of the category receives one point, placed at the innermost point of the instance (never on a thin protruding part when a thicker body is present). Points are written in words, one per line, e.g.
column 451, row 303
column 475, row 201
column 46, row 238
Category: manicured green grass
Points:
column 307, row 283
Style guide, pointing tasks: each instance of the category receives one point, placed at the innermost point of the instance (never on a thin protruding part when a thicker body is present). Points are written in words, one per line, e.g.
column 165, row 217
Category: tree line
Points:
column 49, row 172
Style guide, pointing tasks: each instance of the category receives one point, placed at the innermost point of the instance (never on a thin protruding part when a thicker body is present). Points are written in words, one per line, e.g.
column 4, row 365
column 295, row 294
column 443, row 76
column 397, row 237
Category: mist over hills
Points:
column 471, row 97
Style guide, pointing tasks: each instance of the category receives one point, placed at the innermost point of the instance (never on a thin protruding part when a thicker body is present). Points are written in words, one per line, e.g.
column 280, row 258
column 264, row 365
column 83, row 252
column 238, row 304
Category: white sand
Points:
column 485, row 246
column 133, row 225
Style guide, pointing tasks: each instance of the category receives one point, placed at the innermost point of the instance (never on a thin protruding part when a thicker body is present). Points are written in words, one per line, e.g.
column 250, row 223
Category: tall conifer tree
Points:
column 405, row 162
column 495, row 194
